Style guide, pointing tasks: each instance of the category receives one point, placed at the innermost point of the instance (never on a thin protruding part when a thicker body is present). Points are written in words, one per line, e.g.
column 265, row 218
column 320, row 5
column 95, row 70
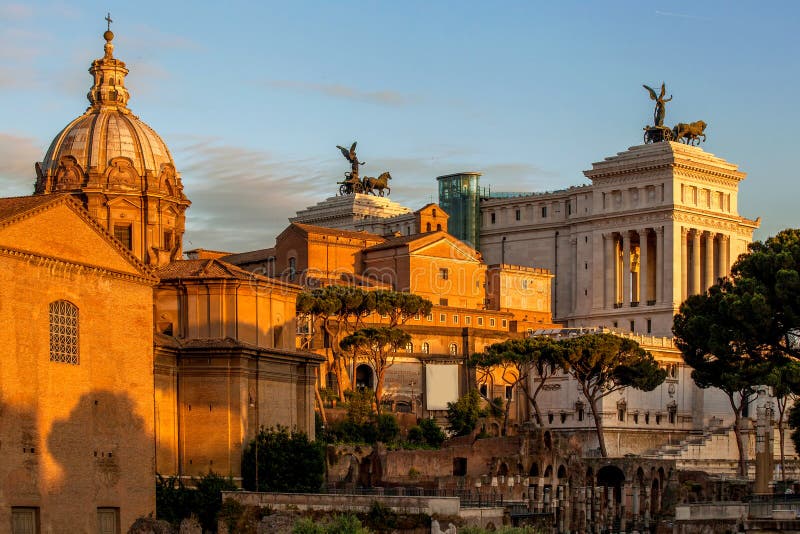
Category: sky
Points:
column 252, row 98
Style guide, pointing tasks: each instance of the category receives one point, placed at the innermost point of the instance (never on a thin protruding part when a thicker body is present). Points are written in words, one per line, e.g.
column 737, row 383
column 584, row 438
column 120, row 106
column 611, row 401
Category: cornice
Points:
column 54, row 263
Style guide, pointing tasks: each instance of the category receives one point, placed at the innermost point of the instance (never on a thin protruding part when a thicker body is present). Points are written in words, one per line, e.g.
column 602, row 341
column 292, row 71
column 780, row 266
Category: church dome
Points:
column 119, row 168
column 107, row 145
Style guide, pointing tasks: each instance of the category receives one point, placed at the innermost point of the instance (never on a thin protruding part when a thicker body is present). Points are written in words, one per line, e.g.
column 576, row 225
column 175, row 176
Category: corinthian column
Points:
column 610, row 265
column 644, row 269
column 695, row 261
column 658, row 293
column 626, row 268
column 684, row 264
column 709, row 272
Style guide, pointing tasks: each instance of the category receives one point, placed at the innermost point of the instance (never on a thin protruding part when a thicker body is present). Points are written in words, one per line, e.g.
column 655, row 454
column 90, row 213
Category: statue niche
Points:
column 121, row 174
column 167, row 180
column 69, row 174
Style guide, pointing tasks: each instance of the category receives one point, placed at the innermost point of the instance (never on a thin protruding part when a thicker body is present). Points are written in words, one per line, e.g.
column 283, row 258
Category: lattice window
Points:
column 64, row 332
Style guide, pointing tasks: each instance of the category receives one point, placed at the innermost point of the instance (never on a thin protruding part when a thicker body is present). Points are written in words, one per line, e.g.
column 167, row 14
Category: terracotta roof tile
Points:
column 13, row 206
column 208, row 268
column 249, row 256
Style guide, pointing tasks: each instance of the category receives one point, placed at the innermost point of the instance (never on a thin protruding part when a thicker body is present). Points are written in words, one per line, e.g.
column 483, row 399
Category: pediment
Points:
column 445, row 247
column 124, row 203
column 64, row 231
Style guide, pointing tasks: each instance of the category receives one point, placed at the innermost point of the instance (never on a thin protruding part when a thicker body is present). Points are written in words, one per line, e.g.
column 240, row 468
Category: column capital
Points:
column 659, row 230
column 684, row 231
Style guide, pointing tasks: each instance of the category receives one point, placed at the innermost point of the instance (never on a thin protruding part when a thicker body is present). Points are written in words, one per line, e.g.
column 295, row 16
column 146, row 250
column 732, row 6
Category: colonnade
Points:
column 597, row 509
column 705, row 257
column 635, row 265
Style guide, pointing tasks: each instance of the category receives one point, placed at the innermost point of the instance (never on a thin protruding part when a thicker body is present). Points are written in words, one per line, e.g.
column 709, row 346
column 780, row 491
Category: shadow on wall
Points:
column 20, row 467
column 105, row 452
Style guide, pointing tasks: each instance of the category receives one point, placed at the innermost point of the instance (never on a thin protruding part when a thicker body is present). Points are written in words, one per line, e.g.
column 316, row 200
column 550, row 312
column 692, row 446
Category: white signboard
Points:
column 441, row 385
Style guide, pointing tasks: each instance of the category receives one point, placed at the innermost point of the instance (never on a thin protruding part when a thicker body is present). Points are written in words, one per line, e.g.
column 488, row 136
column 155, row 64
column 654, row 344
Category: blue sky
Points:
column 253, row 99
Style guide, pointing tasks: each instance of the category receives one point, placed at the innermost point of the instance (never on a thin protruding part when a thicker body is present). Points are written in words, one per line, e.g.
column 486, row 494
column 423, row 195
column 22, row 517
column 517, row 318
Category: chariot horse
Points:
column 689, row 133
column 377, row 184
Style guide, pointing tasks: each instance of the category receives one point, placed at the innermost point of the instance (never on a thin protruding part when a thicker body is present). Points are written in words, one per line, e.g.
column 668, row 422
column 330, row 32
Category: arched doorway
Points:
column 611, row 476
column 365, row 378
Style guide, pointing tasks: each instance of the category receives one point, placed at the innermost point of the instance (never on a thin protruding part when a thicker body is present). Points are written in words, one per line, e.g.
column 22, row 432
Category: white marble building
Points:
column 658, row 223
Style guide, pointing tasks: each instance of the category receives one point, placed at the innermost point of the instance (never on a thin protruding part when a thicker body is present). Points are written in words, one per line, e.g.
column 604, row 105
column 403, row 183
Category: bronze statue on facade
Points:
column 353, row 184
column 371, row 185
column 690, row 133
column 658, row 132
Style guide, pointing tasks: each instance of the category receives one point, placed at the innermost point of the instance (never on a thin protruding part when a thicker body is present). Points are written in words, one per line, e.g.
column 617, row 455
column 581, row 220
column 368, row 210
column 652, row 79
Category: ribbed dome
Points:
column 99, row 135
column 107, row 145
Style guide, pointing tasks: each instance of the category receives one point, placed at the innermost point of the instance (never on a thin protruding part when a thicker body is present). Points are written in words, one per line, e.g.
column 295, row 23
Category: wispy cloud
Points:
column 680, row 15
column 242, row 198
column 384, row 97
column 17, row 157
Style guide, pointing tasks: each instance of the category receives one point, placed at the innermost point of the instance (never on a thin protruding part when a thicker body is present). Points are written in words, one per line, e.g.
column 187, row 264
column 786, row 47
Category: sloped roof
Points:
column 421, row 240
column 209, row 269
column 249, row 256
column 12, row 207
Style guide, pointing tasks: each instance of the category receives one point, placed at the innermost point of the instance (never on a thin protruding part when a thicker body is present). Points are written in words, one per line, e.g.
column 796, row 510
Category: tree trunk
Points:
column 737, row 431
column 320, row 404
column 781, row 442
column 379, row 390
column 598, row 425
column 505, row 417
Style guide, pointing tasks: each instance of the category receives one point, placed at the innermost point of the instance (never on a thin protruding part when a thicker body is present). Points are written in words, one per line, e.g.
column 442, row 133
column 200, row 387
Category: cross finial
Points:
column 109, row 21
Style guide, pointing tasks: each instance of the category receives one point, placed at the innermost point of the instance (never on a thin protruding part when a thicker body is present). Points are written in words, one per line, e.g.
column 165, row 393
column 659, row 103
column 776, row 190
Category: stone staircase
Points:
column 711, row 450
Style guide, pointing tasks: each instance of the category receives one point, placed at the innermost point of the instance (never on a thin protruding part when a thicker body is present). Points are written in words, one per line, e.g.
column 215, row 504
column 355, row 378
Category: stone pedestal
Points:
column 350, row 212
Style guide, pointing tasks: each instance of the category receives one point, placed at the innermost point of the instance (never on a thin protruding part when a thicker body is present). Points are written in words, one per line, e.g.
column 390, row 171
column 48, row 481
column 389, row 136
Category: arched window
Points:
column 409, row 347
column 426, row 348
column 292, row 268
column 453, row 349
column 64, row 332
column 428, row 227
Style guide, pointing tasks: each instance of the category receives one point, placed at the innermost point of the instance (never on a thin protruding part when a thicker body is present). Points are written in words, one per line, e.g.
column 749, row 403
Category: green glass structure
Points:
column 460, row 196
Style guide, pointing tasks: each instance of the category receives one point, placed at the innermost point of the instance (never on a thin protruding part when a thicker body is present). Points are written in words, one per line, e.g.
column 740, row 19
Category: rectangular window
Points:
column 108, row 520
column 491, row 321
column 64, row 345
column 455, row 319
column 168, row 240
column 24, row 520
column 503, row 323
column 467, row 320
column 518, row 215
column 544, row 212
column 442, row 318
column 633, row 325
column 444, row 274
column 480, row 321
column 429, row 317
column 492, row 217
column 649, row 326
column 416, row 317
column 123, row 234
column 443, row 302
